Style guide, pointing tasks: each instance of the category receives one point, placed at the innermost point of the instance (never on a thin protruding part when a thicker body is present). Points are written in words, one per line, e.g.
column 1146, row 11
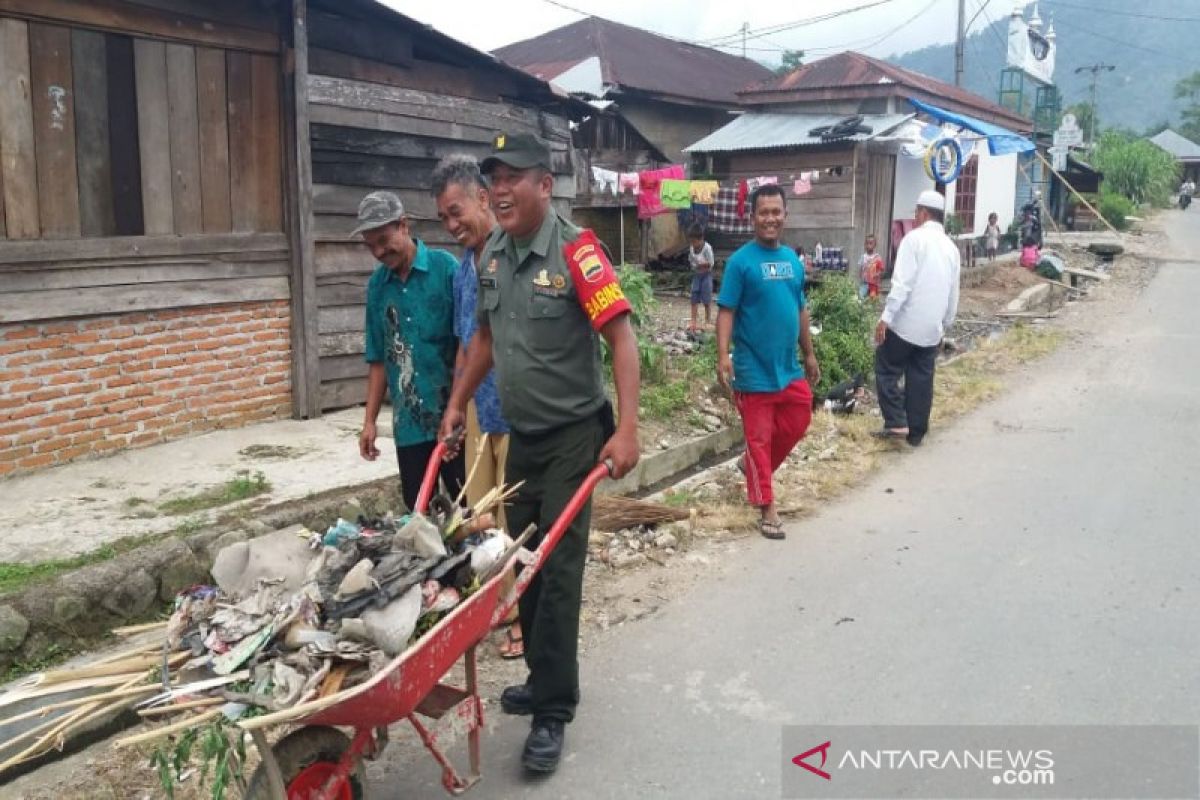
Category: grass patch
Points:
column 243, row 485
column 15, row 576
column 679, row 498
column 663, row 400
column 134, row 502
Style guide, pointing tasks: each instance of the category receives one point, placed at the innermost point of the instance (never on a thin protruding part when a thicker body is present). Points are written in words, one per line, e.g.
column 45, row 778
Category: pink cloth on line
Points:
column 629, row 182
column 649, row 203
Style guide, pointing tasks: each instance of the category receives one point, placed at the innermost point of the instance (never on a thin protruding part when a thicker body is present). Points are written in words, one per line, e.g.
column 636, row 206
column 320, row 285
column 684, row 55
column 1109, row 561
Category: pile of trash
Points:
column 309, row 614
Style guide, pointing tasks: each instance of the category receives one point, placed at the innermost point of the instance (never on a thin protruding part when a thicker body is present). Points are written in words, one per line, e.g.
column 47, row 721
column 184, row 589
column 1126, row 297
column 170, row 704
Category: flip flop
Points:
column 771, row 530
column 513, row 645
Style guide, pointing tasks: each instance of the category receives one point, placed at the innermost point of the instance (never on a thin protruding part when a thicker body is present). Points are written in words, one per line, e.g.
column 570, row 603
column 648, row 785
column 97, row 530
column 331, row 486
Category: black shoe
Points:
column 914, row 441
column 544, row 745
column 517, row 700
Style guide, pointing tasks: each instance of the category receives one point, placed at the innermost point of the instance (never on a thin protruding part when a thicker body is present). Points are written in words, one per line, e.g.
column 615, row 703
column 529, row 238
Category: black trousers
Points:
column 413, row 459
column 906, row 407
column 553, row 466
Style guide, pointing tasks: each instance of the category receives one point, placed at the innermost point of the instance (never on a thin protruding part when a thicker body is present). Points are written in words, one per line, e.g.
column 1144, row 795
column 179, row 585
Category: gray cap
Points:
column 376, row 210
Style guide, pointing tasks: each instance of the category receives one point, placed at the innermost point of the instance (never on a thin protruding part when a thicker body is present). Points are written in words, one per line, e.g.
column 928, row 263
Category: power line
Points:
column 1116, row 12
column 769, row 30
column 886, row 35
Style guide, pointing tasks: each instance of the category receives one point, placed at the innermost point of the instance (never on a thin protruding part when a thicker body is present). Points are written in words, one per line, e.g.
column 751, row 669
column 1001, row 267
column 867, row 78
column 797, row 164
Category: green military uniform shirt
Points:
column 544, row 304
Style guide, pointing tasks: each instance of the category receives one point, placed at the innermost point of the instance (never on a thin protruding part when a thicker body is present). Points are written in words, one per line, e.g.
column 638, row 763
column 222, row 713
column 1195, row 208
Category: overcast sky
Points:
column 893, row 26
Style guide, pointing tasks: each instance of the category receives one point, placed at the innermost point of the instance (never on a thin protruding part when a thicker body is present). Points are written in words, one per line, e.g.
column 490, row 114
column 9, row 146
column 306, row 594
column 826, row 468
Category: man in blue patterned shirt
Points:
column 410, row 342
column 465, row 212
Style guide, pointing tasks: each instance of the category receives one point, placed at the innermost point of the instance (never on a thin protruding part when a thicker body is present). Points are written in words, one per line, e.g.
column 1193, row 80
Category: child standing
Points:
column 700, row 257
column 993, row 235
column 870, row 269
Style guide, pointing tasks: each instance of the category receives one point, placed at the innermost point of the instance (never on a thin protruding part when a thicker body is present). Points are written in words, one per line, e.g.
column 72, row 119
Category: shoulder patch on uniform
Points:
column 585, row 255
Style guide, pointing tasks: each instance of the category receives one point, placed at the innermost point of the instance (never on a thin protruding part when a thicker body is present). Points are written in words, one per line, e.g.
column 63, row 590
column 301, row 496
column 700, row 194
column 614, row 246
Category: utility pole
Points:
column 745, row 30
column 1095, row 69
column 960, row 42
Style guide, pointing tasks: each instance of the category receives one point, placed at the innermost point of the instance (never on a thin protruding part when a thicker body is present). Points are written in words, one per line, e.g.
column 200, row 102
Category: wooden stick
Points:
column 175, row 707
column 471, row 475
column 167, row 730
column 132, row 691
column 130, row 630
column 56, row 727
column 154, row 647
column 124, row 666
column 60, row 688
column 1082, row 199
column 1063, row 285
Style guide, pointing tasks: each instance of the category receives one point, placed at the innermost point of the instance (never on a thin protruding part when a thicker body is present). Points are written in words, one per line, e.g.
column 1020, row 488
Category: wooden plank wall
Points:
column 376, row 126
column 117, row 180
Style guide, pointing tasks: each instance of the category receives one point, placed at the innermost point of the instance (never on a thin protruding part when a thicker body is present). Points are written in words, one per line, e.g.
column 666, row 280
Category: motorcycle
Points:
column 1185, row 200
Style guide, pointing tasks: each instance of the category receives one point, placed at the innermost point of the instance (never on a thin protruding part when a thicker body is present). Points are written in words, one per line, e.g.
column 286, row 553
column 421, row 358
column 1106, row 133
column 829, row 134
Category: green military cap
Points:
column 517, row 150
column 376, row 210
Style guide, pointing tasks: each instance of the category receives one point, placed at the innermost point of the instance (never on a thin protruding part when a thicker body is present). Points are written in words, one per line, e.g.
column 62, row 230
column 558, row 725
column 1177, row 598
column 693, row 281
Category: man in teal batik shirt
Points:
column 410, row 342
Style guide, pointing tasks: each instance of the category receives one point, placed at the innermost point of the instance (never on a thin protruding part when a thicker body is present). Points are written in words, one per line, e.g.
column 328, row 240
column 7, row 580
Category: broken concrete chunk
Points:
column 280, row 556
column 421, row 536
column 391, row 626
column 13, row 628
column 357, row 580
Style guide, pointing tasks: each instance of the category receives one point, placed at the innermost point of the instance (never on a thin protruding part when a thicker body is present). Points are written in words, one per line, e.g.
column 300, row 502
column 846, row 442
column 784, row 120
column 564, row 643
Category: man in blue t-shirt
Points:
column 763, row 314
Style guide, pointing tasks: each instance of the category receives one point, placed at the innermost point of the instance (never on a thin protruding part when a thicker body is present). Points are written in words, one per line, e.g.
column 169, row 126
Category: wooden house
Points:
column 178, row 180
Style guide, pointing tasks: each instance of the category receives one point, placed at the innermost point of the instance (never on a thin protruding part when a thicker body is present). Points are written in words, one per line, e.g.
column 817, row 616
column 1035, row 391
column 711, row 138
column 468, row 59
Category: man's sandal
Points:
column 513, row 645
column 771, row 530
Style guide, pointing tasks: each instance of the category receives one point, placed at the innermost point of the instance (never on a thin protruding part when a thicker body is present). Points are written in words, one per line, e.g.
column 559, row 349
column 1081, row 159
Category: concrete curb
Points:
column 74, row 610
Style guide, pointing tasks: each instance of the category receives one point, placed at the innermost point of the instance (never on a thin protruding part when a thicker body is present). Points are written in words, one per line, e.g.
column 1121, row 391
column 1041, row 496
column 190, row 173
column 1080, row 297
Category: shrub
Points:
column 844, row 348
column 652, row 358
column 1136, row 169
column 1115, row 208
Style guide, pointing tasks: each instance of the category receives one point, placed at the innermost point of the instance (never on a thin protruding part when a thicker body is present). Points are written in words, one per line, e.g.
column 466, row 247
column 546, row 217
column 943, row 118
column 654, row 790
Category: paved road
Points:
column 1036, row 563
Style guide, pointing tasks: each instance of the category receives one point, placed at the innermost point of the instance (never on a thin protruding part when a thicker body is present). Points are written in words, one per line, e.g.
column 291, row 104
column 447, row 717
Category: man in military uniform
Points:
column 546, row 289
column 410, row 344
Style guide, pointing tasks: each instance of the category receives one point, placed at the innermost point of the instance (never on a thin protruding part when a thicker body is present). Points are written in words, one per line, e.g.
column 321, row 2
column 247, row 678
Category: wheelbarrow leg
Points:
column 473, row 734
column 274, row 776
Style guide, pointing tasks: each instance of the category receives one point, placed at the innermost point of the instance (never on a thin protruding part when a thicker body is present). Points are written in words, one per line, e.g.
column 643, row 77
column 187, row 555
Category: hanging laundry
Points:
column 725, row 216
column 705, row 192
column 763, row 180
column 605, row 180
column 649, row 203
column 698, row 214
column 743, row 191
column 674, row 193
column 802, row 185
column 629, row 182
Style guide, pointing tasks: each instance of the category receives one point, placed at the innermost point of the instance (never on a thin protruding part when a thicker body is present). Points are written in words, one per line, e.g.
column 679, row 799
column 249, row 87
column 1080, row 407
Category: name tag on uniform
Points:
column 548, row 291
column 487, row 281
column 776, row 270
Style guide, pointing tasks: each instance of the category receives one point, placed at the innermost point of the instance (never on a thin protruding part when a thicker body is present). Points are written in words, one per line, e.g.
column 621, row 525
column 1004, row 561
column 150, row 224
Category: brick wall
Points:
column 73, row 389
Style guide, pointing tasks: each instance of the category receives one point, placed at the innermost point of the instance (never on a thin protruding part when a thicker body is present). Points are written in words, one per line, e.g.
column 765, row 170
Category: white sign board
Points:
column 1058, row 157
column 1030, row 51
column 1069, row 134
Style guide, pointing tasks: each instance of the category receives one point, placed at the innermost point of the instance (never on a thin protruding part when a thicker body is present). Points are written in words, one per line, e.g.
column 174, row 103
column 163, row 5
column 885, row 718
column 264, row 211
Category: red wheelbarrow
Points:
column 317, row 761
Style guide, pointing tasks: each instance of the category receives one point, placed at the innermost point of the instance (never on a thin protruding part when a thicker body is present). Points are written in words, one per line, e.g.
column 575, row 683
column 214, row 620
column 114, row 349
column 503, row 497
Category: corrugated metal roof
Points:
column 633, row 58
column 1179, row 146
column 770, row 131
column 850, row 69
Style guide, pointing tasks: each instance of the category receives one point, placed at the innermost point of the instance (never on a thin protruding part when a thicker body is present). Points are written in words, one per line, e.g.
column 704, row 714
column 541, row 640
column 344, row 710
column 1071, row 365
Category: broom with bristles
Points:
column 613, row 513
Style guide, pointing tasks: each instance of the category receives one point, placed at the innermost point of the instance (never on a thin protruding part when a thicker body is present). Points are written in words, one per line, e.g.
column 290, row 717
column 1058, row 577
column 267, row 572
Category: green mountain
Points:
column 1151, row 43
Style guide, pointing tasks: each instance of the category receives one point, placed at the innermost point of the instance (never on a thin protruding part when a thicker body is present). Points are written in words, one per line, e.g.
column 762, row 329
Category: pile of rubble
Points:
column 631, row 547
column 679, row 342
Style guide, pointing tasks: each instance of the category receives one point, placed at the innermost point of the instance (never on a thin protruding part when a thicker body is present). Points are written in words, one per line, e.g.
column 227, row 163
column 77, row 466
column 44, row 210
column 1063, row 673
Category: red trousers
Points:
column 773, row 422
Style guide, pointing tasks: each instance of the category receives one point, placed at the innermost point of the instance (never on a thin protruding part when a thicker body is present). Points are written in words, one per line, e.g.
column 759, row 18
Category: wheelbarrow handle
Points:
column 431, row 470
column 551, row 539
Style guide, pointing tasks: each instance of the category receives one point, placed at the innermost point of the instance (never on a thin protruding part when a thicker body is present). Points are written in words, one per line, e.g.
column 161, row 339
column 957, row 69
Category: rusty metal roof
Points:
column 753, row 131
column 632, row 58
column 850, row 69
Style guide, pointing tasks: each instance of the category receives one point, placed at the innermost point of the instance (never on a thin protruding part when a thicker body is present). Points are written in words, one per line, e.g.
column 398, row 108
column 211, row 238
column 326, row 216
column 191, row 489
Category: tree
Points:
column 789, row 61
column 1084, row 115
column 1135, row 168
column 1188, row 89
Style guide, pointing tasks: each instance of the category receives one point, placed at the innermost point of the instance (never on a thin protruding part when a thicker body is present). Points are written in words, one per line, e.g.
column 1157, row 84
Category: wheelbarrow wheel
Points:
column 307, row 757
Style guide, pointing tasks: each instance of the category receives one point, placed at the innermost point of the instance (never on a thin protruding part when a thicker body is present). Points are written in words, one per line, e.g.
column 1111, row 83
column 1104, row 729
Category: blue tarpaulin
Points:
column 1001, row 141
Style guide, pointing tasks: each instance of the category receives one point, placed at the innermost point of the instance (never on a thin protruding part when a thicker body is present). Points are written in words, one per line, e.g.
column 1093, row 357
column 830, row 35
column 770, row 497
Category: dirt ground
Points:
column 837, row 454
